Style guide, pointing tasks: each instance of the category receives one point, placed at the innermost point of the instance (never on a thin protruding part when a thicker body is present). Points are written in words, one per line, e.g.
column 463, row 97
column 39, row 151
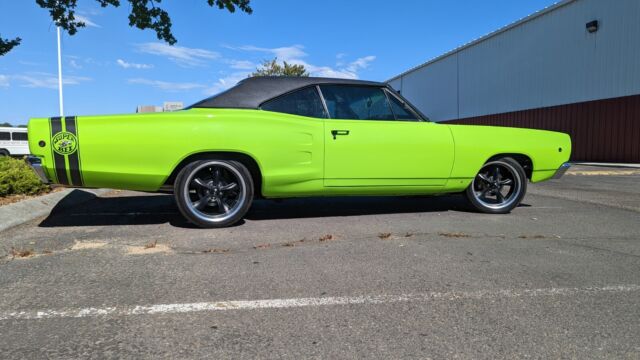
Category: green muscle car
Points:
column 278, row 137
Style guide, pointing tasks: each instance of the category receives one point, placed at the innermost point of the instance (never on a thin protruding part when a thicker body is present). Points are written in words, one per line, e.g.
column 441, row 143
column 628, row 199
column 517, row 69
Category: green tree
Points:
column 5, row 124
column 7, row 44
column 145, row 14
column 273, row 68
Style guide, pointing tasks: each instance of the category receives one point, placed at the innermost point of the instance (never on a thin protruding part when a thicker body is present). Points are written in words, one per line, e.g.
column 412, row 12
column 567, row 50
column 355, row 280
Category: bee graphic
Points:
column 65, row 143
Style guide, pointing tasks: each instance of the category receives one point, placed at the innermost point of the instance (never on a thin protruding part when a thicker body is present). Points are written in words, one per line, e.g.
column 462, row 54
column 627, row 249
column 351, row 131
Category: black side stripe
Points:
column 74, row 159
column 58, row 160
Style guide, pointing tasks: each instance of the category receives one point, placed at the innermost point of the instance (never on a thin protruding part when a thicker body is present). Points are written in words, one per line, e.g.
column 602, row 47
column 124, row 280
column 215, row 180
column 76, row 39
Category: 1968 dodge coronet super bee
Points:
column 278, row 137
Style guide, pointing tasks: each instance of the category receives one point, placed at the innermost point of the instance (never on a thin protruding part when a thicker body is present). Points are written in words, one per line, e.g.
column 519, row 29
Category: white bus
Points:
column 13, row 141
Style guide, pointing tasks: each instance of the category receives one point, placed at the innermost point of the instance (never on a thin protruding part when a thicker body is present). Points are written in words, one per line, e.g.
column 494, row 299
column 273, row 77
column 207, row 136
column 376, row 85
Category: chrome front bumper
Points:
column 561, row 170
column 36, row 164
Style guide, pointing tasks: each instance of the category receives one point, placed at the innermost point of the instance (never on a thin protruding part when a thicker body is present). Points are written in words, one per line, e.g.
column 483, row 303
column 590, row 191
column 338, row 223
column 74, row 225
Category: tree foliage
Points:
column 7, row 44
column 273, row 68
column 145, row 14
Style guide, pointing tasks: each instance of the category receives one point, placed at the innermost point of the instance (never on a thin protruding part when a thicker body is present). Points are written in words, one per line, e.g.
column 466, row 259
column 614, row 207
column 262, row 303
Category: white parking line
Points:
column 304, row 302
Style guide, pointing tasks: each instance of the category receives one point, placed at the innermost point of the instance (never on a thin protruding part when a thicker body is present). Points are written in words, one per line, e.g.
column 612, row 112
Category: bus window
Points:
column 19, row 136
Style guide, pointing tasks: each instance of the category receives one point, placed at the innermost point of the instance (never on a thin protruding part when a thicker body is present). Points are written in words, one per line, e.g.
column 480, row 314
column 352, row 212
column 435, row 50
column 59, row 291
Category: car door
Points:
column 373, row 138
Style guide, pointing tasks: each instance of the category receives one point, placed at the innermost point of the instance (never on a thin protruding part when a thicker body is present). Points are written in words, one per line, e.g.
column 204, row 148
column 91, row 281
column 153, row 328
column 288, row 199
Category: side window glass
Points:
column 5, row 136
column 304, row 102
column 400, row 109
column 19, row 136
column 356, row 102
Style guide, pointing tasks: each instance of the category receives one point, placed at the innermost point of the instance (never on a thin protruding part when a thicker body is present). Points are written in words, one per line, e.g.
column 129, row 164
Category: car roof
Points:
column 250, row 93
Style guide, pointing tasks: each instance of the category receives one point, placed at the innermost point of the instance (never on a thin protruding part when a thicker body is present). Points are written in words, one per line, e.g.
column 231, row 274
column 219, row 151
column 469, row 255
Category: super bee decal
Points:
column 64, row 143
column 66, row 150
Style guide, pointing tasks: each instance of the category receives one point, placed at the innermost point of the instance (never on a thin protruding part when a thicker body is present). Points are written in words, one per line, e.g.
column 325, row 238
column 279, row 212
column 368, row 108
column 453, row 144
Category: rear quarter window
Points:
column 5, row 135
column 303, row 102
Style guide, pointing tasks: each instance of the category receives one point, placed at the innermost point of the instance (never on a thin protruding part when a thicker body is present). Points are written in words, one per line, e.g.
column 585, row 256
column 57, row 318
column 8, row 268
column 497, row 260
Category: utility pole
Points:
column 60, row 75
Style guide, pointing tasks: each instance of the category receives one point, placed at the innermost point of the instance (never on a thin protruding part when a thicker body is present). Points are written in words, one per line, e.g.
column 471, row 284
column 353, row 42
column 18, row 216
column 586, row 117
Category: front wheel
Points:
column 214, row 193
column 499, row 186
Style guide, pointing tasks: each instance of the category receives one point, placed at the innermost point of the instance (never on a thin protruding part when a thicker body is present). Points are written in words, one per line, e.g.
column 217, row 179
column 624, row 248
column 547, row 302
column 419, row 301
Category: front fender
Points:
column 474, row 145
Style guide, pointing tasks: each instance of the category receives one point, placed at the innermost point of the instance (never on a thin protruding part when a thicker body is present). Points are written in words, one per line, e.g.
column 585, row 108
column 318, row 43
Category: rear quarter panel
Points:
column 139, row 151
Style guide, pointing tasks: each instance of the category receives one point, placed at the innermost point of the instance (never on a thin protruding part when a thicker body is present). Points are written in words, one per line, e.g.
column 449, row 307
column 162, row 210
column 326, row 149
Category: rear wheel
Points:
column 214, row 193
column 499, row 186
column 4, row 152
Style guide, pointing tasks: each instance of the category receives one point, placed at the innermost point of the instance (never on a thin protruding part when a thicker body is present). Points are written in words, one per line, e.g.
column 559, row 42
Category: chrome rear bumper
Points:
column 561, row 170
column 36, row 164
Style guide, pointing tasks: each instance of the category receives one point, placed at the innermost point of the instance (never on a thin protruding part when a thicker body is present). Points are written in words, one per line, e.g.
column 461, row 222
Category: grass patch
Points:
column 17, row 178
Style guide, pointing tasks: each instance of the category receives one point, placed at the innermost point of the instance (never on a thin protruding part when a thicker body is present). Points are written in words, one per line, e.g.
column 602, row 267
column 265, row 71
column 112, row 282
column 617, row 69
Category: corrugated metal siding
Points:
column 601, row 130
column 546, row 61
column 434, row 87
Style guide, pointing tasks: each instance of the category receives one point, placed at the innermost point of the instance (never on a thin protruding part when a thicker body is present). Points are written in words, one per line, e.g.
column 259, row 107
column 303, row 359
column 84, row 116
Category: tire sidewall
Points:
column 182, row 182
column 523, row 189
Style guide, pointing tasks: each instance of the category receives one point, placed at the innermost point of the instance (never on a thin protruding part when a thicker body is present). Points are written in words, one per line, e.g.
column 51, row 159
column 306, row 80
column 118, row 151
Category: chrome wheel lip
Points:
column 515, row 192
column 232, row 211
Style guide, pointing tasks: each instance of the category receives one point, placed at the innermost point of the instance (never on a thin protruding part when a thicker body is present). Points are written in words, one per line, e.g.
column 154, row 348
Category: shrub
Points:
column 17, row 178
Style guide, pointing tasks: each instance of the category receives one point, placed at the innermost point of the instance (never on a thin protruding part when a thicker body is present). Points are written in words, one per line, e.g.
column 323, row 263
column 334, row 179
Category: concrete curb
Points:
column 581, row 169
column 21, row 212
column 607, row 165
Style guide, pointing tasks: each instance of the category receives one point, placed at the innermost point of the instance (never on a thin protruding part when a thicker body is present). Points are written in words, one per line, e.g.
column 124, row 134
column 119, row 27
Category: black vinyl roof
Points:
column 250, row 93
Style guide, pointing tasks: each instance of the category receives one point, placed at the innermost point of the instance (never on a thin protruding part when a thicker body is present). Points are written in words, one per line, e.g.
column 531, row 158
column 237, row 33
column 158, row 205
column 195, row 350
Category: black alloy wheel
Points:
column 499, row 186
column 214, row 193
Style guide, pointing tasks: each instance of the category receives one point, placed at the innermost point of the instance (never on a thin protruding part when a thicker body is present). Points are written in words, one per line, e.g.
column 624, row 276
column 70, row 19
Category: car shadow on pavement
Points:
column 353, row 206
column 81, row 208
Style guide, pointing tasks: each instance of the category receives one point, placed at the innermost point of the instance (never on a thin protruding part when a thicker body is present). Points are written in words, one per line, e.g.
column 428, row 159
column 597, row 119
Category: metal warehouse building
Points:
column 572, row 67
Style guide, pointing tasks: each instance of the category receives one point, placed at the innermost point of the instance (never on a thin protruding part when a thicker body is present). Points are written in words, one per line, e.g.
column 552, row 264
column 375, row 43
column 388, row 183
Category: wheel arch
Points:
column 522, row 159
column 247, row 160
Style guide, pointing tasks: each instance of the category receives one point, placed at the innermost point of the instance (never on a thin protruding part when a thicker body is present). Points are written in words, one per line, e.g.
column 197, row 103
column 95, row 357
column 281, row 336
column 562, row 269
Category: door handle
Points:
column 339, row 132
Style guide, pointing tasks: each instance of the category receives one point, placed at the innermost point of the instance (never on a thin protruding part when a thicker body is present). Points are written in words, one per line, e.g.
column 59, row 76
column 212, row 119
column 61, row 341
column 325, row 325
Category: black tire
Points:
column 205, row 193
column 4, row 152
column 487, row 190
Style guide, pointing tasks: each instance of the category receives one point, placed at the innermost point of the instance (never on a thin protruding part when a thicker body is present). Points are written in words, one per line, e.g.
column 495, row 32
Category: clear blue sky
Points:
column 111, row 68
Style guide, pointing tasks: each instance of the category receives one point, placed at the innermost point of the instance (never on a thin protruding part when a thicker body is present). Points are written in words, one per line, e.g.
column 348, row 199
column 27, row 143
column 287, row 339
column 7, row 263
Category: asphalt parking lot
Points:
column 123, row 276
